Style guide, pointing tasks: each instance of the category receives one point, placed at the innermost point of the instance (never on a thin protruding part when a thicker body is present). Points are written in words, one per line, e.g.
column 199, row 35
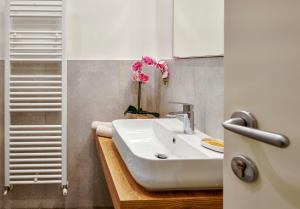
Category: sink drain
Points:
column 161, row 156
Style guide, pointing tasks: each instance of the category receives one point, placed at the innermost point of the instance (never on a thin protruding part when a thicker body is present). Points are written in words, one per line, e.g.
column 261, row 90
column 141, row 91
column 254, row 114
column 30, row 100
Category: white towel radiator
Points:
column 35, row 94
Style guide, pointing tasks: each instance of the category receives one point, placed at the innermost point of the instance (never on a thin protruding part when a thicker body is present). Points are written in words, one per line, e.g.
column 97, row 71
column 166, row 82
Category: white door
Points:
column 262, row 76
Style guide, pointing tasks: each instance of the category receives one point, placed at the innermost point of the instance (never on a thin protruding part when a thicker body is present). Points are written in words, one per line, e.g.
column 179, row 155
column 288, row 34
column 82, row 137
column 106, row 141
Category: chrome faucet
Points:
column 188, row 117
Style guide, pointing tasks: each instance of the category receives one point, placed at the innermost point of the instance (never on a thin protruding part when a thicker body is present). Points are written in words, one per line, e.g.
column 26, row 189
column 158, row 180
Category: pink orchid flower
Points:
column 140, row 77
column 143, row 77
column 137, row 66
column 162, row 66
column 135, row 77
column 138, row 74
column 165, row 74
column 148, row 60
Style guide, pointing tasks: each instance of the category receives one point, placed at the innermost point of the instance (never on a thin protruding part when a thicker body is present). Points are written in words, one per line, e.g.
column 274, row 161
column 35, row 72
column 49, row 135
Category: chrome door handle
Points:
column 244, row 123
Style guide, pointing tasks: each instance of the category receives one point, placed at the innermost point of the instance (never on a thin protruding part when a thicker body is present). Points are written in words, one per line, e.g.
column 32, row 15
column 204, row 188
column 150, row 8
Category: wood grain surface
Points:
column 127, row 194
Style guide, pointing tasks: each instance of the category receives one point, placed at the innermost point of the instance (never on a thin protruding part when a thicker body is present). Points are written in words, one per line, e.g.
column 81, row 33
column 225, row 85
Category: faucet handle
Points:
column 187, row 107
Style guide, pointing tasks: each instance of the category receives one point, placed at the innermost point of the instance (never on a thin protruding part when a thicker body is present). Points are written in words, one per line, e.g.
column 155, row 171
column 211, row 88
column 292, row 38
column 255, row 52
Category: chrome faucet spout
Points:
column 188, row 117
column 175, row 114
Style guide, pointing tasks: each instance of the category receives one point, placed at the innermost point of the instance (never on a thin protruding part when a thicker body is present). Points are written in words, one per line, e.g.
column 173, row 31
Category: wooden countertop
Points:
column 127, row 194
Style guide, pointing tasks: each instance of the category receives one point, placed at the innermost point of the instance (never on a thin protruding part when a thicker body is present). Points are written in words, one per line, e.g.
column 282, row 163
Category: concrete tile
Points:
column 198, row 81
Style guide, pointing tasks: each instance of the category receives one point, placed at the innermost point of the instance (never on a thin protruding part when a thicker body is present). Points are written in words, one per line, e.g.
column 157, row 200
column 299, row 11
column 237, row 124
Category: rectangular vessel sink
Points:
column 161, row 157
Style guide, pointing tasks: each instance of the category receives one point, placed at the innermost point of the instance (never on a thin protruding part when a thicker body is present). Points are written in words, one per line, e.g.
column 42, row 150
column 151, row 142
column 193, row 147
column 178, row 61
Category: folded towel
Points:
column 104, row 131
column 95, row 124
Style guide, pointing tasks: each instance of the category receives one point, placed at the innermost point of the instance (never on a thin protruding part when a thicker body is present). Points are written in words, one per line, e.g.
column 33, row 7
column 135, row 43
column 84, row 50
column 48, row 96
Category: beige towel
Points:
column 95, row 124
column 104, row 131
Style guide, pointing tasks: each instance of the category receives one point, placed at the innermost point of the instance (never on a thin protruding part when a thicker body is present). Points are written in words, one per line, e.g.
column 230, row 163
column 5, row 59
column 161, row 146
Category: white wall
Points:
column 111, row 29
column 164, row 28
column 114, row 29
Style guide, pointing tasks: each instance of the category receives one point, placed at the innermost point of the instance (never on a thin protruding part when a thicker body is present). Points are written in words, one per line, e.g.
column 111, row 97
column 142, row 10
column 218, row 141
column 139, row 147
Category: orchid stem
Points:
column 139, row 96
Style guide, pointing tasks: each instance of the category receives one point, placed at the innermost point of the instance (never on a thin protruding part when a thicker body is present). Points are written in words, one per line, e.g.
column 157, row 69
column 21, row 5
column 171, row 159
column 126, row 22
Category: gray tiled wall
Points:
column 199, row 81
column 101, row 90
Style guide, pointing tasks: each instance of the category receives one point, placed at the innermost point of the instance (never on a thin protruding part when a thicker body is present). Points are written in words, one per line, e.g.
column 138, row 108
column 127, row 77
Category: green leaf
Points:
column 155, row 114
column 131, row 109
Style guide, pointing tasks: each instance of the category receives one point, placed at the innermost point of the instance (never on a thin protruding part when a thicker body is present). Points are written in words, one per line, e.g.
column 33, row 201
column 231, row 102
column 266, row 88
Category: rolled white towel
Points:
column 104, row 131
column 95, row 124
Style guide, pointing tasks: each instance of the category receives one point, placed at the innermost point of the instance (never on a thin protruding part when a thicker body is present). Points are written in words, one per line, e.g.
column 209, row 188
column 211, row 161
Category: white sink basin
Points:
column 188, row 166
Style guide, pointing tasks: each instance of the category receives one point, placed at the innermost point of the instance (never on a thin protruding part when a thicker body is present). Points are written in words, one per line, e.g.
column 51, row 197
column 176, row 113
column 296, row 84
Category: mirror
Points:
column 198, row 29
